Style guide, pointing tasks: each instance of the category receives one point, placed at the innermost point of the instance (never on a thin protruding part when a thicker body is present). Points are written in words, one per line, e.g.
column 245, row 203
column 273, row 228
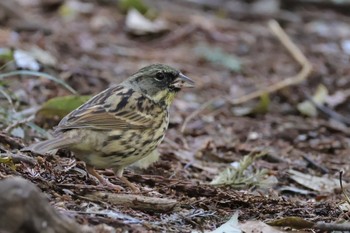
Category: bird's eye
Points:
column 160, row 76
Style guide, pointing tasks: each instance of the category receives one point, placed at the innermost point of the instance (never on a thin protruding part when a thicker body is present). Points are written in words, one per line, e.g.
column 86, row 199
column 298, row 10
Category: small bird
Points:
column 121, row 125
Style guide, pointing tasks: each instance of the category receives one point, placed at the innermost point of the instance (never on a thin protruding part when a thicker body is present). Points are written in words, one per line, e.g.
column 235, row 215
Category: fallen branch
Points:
column 134, row 201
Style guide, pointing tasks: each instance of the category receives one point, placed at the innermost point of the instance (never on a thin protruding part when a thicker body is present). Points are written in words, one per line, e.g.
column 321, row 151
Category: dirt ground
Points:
column 228, row 49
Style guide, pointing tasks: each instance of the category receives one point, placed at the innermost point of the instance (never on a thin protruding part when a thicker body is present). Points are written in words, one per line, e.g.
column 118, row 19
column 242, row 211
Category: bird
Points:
column 121, row 125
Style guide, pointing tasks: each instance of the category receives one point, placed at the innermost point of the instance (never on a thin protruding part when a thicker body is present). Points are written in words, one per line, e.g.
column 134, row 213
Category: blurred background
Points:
column 55, row 54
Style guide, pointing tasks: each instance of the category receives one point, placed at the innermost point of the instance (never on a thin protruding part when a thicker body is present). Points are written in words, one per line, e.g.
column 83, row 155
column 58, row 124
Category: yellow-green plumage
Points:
column 122, row 124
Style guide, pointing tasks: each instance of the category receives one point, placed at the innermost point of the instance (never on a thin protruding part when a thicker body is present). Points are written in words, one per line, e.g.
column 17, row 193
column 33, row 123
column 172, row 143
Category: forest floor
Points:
column 230, row 51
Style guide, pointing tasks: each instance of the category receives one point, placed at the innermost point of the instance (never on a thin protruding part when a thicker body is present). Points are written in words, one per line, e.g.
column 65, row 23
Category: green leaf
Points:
column 139, row 5
column 260, row 108
column 263, row 105
column 6, row 54
column 231, row 225
column 7, row 160
column 61, row 106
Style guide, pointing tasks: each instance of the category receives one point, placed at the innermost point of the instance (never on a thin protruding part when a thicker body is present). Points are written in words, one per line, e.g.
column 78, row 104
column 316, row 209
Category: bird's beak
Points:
column 182, row 81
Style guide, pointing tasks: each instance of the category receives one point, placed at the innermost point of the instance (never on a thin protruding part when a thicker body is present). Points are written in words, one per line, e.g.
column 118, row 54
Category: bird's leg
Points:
column 129, row 184
column 119, row 173
column 91, row 170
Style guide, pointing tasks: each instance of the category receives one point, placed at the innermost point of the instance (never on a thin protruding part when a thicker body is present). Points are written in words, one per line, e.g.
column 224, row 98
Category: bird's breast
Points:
column 120, row 147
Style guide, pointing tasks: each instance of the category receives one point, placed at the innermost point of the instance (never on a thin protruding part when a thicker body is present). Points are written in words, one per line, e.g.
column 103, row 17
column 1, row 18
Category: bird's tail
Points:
column 48, row 145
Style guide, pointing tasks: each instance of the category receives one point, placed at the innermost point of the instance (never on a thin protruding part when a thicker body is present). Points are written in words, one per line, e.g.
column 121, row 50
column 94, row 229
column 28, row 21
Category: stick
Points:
column 135, row 201
column 330, row 227
column 16, row 158
column 301, row 76
column 14, row 143
column 195, row 113
column 18, row 123
column 297, row 55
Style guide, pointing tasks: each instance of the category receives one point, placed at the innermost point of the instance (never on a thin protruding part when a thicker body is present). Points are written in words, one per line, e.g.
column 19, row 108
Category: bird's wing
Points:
column 115, row 108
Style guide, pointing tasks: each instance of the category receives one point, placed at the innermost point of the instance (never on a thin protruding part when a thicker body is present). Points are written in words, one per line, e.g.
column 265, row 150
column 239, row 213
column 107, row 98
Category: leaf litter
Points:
column 240, row 56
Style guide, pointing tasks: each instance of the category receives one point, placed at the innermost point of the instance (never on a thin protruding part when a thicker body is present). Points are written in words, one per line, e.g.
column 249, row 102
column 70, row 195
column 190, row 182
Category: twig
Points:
column 300, row 223
column 331, row 227
column 38, row 74
column 116, row 216
column 7, row 96
column 195, row 113
column 328, row 111
column 301, row 76
column 135, row 201
column 18, row 123
column 85, row 187
column 313, row 164
column 342, row 188
column 297, row 55
column 16, row 158
column 176, row 36
column 341, row 5
column 14, row 143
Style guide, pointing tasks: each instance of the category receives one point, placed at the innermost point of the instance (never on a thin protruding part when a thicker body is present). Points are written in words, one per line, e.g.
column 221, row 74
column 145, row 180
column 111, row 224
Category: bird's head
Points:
column 159, row 82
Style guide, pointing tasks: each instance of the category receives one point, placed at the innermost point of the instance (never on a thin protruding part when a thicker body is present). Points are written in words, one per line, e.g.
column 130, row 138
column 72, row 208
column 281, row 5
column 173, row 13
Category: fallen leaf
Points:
column 258, row 226
column 6, row 54
column 339, row 97
column 260, row 108
column 231, row 226
column 44, row 57
column 139, row 25
column 309, row 109
column 25, row 60
column 321, row 184
column 61, row 106
column 294, row 222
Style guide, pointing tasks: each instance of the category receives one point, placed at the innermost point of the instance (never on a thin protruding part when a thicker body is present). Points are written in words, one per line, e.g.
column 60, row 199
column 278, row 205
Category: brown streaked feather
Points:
column 120, row 113
column 51, row 144
column 90, row 119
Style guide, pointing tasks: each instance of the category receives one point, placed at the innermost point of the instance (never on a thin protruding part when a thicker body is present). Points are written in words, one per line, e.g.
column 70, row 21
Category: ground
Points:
column 229, row 51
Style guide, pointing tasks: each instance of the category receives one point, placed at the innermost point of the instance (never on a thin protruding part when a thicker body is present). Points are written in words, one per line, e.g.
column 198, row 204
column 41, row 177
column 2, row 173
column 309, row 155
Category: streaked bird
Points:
column 121, row 125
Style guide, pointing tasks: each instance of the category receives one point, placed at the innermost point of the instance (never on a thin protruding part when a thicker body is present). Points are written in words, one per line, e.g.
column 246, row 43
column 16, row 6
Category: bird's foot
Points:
column 102, row 180
column 129, row 184
column 114, row 187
